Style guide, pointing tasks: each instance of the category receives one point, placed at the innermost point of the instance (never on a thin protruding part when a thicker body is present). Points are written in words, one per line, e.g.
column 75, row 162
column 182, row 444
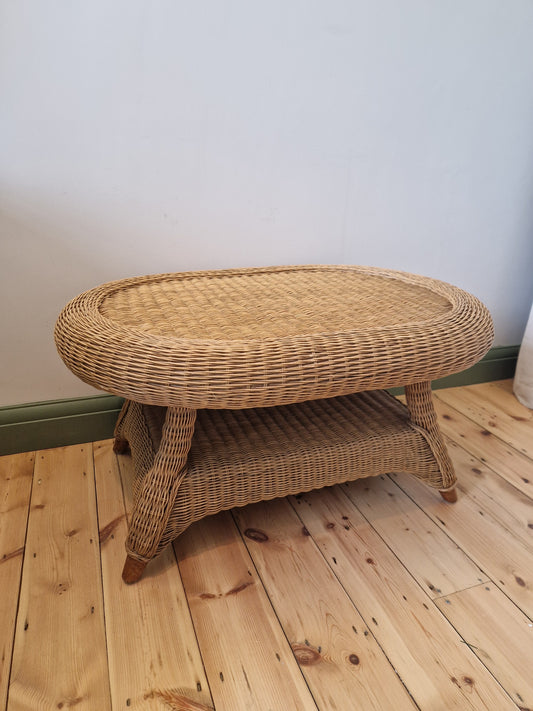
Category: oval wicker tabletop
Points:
column 269, row 336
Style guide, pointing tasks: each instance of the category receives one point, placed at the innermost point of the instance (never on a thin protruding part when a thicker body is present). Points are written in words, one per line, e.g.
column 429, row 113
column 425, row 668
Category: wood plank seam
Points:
column 400, row 561
column 493, row 579
column 124, row 476
column 487, row 465
column 472, row 659
column 493, row 431
column 275, row 612
column 7, row 676
column 486, row 462
column 346, row 592
column 498, row 583
column 98, row 542
column 473, row 648
column 60, row 614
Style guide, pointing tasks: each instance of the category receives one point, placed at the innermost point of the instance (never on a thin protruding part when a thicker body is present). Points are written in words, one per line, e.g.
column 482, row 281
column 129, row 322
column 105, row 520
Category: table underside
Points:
column 237, row 457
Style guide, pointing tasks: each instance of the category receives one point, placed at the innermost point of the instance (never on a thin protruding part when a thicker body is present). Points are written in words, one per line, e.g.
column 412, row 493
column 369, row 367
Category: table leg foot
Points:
column 133, row 570
column 120, row 445
column 449, row 495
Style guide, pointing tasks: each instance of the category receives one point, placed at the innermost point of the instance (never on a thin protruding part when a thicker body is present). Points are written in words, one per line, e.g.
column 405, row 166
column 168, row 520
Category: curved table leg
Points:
column 155, row 499
column 422, row 412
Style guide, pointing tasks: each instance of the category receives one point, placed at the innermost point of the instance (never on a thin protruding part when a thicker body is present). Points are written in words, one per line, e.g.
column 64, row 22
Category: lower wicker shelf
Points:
column 239, row 457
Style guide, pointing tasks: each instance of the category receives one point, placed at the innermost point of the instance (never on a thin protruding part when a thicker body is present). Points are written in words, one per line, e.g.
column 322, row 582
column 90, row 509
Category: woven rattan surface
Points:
column 243, row 456
column 261, row 337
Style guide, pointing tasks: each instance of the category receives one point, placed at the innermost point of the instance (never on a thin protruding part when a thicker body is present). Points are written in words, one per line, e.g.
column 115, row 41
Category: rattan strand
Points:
column 262, row 337
column 244, row 456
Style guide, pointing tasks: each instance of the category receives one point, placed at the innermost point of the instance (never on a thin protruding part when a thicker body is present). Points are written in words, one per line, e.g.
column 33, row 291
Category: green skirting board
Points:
column 42, row 425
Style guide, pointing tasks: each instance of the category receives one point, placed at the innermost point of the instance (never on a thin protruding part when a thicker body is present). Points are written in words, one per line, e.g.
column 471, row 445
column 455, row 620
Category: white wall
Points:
column 148, row 135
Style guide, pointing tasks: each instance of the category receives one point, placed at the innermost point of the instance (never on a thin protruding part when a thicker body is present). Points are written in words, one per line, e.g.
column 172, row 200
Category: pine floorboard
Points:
column 372, row 595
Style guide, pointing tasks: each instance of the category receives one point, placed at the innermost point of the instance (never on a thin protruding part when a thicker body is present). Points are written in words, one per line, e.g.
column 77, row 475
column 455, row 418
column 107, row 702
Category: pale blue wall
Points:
column 153, row 136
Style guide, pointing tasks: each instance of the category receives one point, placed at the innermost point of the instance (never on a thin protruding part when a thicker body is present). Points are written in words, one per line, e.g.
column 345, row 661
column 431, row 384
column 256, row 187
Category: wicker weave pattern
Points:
column 233, row 305
column 424, row 418
column 292, row 362
column 243, row 456
column 262, row 337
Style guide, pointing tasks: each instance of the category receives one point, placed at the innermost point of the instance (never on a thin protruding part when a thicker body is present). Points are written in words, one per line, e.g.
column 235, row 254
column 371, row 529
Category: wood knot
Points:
column 353, row 659
column 70, row 702
column 12, row 554
column 330, row 525
column 173, row 699
column 306, row 656
column 234, row 591
column 239, row 588
column 108, row 530
column 255, row 535
column 465, row 679
column 520, row 581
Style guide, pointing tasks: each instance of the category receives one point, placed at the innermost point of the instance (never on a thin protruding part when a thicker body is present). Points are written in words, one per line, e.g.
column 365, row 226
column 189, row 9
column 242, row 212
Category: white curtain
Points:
column 523, row 379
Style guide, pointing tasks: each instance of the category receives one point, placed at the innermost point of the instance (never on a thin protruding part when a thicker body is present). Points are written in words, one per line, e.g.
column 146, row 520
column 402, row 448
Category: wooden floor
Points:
column 371, row 595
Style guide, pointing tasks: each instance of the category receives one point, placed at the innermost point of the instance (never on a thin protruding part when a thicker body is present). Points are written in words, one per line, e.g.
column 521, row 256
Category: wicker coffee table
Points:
column 250, row 384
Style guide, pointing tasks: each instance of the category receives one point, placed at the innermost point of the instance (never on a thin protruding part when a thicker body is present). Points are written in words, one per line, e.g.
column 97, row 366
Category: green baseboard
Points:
column 58, row 423
column 498, row 364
